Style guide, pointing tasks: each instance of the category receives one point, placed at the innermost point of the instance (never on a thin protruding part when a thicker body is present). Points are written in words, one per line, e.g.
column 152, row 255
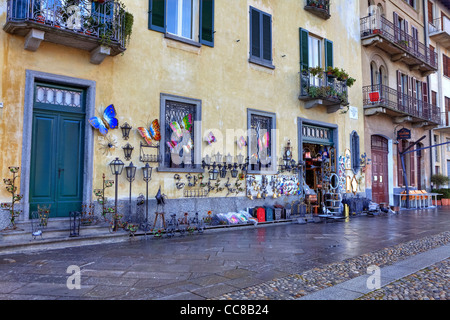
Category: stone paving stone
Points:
column 8, row 287
column 208, row 280
column 214, row 290
column 106, row 291
column 51, row 289
column 182, row 296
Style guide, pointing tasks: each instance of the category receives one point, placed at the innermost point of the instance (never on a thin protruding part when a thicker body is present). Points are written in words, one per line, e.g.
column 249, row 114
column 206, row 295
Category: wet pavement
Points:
column 210, row 265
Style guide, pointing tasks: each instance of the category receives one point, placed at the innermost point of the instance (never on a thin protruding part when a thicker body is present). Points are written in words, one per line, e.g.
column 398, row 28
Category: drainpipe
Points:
column 425, row 30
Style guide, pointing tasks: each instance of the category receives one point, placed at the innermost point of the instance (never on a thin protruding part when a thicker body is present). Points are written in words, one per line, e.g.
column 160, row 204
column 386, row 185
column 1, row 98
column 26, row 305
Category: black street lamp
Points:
column 116, row 169
column 147, row 175
column 127, row 150
column 126, row 128
column 131, row 174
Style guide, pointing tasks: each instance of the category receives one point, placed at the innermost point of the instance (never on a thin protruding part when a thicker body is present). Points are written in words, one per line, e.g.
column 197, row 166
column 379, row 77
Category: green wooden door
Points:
column 57, row 157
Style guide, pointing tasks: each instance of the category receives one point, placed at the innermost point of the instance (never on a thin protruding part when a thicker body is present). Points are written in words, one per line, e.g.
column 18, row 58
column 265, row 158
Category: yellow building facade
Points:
column 248, row 64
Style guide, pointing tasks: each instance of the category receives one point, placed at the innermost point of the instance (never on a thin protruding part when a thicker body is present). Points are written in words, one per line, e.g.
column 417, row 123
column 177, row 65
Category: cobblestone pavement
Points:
column 278, row 262
column 431, row 283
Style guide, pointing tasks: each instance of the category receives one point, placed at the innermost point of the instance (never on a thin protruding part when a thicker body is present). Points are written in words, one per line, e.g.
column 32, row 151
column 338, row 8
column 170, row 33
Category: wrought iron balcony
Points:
column 323, row 90
column 98, row 27
column 320, row 8
column 378, row 31
column 401, row 107
column 439, row 30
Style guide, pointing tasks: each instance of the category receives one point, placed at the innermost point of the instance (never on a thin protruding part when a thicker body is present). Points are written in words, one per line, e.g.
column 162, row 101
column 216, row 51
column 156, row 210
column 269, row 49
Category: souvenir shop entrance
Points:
column 319, row 153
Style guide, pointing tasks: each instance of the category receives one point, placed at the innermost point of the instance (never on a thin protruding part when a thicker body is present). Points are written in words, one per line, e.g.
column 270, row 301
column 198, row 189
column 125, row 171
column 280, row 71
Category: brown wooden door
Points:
column 380, row 178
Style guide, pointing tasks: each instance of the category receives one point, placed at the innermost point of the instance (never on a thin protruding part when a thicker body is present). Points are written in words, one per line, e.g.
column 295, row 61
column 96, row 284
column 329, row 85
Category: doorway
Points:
column 380, row 177
column 57, row 149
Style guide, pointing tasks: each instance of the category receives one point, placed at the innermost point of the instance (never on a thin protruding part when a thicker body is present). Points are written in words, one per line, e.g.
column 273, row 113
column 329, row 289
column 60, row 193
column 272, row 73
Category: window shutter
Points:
column 426, row 107
column 396, row 30
column 255, row 34
column 399, row 88
column 399, row 163
column 444, row 62
column 328, row 54
column 207, row 22
column 409, row 93
column 267, row 37
column 412, row 157
column 157, row 15
column 414, row 99
column 304, row 49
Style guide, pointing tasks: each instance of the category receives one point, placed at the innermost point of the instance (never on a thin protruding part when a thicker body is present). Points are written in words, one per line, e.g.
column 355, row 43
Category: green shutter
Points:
column 157, row 15
column 304, row 49
column 267, row 37
column 207, row 22
column 255, row 33
column 328, row 54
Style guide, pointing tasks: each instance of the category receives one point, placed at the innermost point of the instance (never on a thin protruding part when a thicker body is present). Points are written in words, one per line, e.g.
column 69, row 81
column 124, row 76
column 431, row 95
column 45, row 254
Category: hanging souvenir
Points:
column 188, row 146
column 176, row 129
column 172, row 144
column 263, row 142
column 108, row 145
column 210, row 138
column 153, row 132
column 241, row 142
column 106, row 122
column 187, row 122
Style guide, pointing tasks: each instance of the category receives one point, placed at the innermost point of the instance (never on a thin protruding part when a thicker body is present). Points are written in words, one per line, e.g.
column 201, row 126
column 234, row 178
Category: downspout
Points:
column 425, row 30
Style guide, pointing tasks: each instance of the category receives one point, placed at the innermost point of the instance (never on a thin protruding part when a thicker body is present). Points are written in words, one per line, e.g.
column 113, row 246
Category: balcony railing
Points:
column 75, row 23
column 384, row 96
column 320, row 8
column 439, row 30
column 332, row 91
column 379, row 26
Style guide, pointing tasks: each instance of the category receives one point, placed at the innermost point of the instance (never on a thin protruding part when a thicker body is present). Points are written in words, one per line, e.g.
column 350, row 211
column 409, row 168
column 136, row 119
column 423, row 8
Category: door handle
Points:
column 59, row 172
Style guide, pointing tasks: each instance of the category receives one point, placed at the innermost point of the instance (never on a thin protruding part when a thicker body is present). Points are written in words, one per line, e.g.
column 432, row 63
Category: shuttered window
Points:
column 207, row 22
column 355, row 152
column 328, row 53
column 446, row 62
column 162, row 14
column 304, row 49
column 260, row 37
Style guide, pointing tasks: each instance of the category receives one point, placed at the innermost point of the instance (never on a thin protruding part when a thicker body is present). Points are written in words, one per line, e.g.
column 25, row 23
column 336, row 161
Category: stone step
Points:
column 39, row 244
column 56, row 235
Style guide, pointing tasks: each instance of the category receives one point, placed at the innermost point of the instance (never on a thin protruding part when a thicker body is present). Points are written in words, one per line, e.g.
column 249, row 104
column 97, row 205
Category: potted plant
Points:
column 316, row 72
column 350, row 82
column 343, row 76
column 11, row 187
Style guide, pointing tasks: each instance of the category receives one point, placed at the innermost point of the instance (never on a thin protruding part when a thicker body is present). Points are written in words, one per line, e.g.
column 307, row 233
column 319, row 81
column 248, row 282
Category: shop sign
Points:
column 404, row 134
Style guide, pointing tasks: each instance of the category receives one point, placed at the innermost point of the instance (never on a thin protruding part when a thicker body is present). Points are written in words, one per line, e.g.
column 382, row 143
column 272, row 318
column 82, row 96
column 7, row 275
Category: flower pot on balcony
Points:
column 40, row 19
column 376, row 31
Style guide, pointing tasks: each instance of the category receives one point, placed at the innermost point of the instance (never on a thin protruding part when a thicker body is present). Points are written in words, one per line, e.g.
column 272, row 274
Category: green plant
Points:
column 350, row 81
column 313, row 92
column 335, row 72
column 439, row 180
column 12, row 188
column 128, row 26
column 316, row 71
column 343, row 75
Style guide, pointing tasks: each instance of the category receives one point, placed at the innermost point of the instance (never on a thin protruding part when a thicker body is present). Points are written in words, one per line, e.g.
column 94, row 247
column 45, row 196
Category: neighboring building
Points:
column 396, row 63
column 227, row 67
column 438, row 22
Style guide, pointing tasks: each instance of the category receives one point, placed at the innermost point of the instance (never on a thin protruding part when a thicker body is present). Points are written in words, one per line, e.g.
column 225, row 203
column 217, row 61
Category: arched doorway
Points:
column 380, row 176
